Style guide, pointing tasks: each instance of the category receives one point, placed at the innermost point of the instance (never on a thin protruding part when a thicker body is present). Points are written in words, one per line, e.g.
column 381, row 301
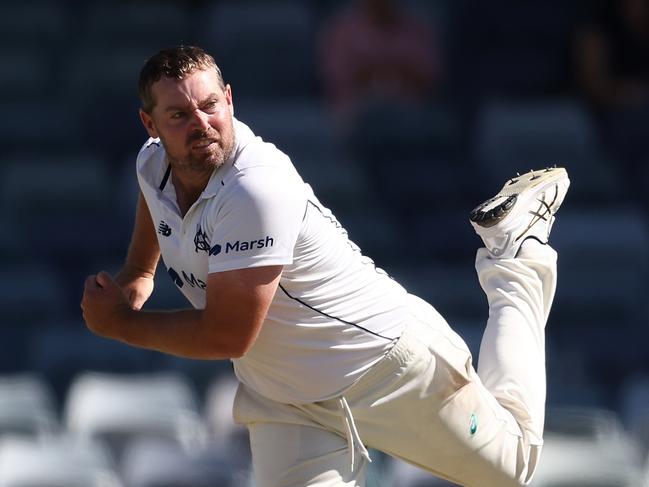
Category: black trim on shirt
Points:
column 165, row 178
column 338, row 226
column 335, row 318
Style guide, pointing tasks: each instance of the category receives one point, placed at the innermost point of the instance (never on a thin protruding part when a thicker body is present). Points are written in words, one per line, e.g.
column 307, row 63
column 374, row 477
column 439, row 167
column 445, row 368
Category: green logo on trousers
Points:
column 473, row 424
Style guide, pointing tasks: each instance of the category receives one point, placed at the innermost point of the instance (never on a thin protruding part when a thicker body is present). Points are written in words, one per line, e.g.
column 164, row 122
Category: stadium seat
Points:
column 30, row 292
column 59, row 215
column 29, row 75
column 272, row 40
column 115, row 24
column 56, row 127
column 298, row 126
column 587, row 447
column 438, row 284
column 570, row 462
column 634, row 407
column 156, row 463
column 228, row 438
column 97, row 74
column 511, row 47
column 62, row 349
column 522, row 135
column 375, row 232
column 83, row 182
column 33, row 23
column 301, row 129
column 392, row 133
column 405, row 475
column 27, row 406
column 57, row 461
column 611, row 242
column 394, row 141
column 118, row 408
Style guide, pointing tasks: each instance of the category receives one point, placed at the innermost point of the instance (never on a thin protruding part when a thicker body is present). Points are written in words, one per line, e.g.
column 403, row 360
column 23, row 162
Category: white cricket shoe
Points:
column 523, row 209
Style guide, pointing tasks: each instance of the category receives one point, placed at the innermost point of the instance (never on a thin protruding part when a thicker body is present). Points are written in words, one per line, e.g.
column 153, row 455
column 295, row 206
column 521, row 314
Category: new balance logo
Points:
column 164, row 229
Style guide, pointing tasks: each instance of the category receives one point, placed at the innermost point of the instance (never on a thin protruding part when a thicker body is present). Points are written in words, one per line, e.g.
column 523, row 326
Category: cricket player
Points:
column 333, row 356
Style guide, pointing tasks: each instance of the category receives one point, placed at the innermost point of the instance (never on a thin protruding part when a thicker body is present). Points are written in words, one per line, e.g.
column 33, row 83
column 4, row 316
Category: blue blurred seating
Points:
column 117, row 408
column 228, row 439
column 41, row 24
column 438, row 284
column 57, row 461
column 302, row 129
column 38, row 124
column 405, row 475
column 156, row 463
column 514, row 47
column 604, row 258
column 68, row 181
column 513, row 136
column 67, row 213
column 126, row 23
column 30, row 292
column 265, row 49
column 634, row 407
column 61, row 349
column 25, row 74
column 106, row 69
column 394, row 133
column 587, row 447
column 27, row 406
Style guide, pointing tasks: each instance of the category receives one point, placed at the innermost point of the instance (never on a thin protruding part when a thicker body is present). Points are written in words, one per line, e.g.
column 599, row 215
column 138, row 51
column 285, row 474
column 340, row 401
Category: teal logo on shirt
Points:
column 473, row 424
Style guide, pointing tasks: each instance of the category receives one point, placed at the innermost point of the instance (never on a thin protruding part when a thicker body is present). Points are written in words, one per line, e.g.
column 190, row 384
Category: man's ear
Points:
column 228, row 97
column 147, row 121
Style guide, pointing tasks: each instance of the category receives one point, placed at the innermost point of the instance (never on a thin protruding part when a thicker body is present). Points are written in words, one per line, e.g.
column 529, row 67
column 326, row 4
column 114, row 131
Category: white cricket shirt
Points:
column 334, row 314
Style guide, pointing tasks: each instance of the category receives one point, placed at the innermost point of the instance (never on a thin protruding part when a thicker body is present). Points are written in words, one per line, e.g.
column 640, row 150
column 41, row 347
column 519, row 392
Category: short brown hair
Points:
column 178, row 63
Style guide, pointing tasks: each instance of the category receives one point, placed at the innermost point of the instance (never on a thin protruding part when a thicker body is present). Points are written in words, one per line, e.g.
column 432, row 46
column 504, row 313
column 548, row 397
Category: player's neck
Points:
column 188, row 185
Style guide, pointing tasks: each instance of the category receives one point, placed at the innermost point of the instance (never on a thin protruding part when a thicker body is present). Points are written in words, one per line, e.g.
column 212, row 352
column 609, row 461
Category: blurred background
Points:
column 403, row 115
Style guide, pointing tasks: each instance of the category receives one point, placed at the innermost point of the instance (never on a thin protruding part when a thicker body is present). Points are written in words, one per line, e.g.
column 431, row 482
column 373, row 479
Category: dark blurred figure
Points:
column 384, row 70
column 373, row 51
column 612, row 60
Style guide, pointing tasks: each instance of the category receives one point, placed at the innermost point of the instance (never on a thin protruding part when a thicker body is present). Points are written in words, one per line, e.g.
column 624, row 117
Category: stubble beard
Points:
column 219, row 152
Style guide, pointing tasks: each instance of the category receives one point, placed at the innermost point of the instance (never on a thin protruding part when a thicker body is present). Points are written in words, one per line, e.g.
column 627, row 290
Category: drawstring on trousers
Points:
column 353, row 438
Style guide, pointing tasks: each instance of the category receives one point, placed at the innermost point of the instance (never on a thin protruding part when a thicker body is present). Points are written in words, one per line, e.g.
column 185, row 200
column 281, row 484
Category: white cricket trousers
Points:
column 424, row 402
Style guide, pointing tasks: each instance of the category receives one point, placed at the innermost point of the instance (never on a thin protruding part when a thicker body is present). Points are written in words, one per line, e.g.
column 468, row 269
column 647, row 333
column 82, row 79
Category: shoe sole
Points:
column 512, row 191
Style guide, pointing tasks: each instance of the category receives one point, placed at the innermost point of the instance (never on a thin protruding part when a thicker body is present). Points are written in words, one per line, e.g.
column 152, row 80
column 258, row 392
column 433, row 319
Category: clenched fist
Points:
column 106, row 308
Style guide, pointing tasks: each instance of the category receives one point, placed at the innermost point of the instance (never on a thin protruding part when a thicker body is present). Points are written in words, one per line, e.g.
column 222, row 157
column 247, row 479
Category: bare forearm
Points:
column 184, row 333
column 143, row 252
column 228, row 326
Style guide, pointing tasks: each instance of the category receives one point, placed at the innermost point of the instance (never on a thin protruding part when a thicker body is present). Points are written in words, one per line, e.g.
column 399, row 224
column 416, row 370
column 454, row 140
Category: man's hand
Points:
column 105, row 307
column 137, row 287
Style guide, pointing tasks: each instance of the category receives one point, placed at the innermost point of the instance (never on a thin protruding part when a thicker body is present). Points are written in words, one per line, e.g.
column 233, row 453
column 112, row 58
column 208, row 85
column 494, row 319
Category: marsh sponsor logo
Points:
column 242, row 245
column 190, row 279
column 193, row 281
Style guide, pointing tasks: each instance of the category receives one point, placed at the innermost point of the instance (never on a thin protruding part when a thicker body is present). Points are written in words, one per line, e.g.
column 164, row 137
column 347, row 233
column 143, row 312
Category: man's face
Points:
column 193, row 119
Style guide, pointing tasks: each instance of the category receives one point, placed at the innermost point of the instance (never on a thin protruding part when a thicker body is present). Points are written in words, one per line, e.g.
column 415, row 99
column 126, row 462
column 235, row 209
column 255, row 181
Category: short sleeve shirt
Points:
column 334, row 314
